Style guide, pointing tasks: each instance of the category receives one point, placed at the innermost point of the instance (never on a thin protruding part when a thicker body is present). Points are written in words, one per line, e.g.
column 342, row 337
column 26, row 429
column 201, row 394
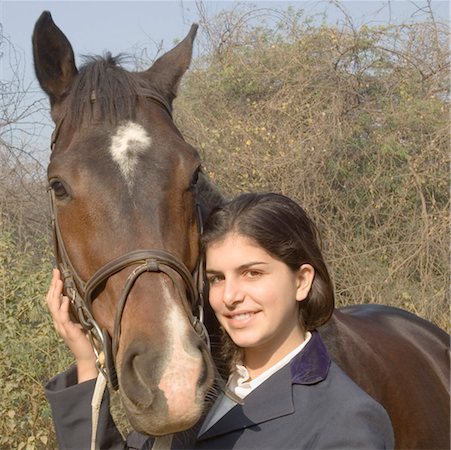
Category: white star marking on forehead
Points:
column 130, row 140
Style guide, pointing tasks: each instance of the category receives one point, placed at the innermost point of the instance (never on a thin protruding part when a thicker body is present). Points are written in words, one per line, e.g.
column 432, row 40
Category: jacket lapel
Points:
column 270, row 400
column 220, row 408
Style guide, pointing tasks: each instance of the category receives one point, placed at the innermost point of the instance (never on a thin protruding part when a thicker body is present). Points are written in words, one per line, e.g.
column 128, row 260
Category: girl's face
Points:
column 254, row 296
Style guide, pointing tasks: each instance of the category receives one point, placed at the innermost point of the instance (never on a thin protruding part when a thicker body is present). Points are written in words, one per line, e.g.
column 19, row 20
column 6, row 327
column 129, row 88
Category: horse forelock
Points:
column 103, row 91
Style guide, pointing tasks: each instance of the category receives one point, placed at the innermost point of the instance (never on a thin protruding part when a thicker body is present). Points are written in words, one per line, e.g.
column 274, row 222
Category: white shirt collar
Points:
column 240, row 382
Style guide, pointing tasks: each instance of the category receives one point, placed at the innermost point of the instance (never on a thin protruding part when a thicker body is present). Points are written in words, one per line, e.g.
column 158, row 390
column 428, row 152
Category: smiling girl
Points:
column 270, row 290
column 268, row 281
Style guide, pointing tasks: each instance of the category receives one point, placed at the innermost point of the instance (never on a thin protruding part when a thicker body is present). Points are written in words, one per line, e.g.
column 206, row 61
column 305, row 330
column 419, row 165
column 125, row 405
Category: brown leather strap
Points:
column 151, row 94
column 150, row 259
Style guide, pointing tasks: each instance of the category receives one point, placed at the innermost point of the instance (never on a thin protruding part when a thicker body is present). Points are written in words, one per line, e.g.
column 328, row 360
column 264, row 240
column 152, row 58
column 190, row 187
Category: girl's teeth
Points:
column 242, row 316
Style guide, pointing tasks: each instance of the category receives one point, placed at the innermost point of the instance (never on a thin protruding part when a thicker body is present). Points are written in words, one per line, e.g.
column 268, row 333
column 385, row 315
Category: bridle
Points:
column 82, row 293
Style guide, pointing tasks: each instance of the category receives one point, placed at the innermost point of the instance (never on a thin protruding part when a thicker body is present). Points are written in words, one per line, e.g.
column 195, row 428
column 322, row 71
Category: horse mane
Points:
column 103, row 91
column 209, row 195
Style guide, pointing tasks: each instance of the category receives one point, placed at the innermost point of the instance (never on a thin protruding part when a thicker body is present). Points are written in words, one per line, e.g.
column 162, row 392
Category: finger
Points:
column 65, row 302
column 64, row 317
column 64, row 309
column 56, row 275
column 54, row 296
column 61, row 320
column 51, row 286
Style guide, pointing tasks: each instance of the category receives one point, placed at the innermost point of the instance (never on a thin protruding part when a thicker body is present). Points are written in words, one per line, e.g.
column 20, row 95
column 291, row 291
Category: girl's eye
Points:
column 213, row 279
column 252, row 273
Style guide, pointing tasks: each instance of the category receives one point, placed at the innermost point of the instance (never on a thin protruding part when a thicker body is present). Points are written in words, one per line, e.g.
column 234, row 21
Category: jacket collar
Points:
column 312, row 364
column 276, row 401
column 274, row 397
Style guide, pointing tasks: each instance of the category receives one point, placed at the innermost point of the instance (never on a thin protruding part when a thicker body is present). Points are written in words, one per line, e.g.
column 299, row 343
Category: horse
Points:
column 128, row 198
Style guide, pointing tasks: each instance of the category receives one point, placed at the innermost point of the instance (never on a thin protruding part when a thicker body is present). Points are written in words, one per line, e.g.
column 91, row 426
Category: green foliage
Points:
column 30, row 352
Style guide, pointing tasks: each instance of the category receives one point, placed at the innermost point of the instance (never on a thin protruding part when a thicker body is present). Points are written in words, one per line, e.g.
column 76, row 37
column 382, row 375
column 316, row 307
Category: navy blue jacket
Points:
column 308, row 404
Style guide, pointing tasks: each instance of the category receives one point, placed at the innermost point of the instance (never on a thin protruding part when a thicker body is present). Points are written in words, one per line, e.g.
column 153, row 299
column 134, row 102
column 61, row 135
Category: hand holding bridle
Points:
column 71, row 332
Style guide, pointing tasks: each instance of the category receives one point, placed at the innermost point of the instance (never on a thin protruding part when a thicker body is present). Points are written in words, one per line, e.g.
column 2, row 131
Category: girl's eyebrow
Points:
column 239, row 268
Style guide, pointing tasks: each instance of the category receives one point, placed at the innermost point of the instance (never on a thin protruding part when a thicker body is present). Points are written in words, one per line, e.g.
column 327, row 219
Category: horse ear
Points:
column 54, row 60
column 167, row 71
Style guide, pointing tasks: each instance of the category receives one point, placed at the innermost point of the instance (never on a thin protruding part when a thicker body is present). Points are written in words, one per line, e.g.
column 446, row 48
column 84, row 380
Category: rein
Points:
column 82, row 293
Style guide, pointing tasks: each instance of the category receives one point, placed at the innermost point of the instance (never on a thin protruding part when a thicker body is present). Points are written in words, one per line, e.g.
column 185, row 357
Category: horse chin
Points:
column 164, row 393
column 155, row 420
column 160, row 412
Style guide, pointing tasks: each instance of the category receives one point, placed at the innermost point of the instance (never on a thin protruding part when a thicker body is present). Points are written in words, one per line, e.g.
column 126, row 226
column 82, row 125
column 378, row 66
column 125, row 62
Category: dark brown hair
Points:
column 282, row 228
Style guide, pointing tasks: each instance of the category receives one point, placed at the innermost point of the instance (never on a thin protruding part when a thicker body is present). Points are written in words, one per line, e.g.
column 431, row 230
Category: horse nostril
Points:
column 140, row 370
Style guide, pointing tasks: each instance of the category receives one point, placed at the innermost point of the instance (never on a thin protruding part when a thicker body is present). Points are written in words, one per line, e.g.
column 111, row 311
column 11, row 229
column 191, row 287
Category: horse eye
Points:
column 195, row 177
column 59, row 189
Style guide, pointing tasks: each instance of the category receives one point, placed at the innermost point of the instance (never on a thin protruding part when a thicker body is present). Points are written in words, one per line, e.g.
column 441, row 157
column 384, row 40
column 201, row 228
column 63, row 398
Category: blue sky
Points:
column 129, row 26
column 126, row 26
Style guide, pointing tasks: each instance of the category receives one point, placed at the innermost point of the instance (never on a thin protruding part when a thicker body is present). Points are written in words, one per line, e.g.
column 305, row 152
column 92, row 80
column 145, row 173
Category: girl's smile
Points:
column 240, row 319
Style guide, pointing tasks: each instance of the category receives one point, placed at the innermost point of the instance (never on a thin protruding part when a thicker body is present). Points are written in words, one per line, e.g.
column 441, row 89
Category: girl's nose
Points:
column 232, row 293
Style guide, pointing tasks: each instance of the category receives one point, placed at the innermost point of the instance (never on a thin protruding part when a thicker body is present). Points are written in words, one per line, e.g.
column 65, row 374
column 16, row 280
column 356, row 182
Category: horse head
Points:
column 123, row 183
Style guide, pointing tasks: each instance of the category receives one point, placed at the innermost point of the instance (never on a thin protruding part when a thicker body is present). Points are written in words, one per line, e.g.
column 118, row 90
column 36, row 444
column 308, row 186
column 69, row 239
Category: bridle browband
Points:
column 82, row 293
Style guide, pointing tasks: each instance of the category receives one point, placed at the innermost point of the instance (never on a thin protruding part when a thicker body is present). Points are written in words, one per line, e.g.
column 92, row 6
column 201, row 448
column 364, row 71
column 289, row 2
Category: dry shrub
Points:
column 353, row 123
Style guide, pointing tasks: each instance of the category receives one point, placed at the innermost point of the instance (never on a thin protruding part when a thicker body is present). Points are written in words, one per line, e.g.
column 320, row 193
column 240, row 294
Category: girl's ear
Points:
column 305, row 276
